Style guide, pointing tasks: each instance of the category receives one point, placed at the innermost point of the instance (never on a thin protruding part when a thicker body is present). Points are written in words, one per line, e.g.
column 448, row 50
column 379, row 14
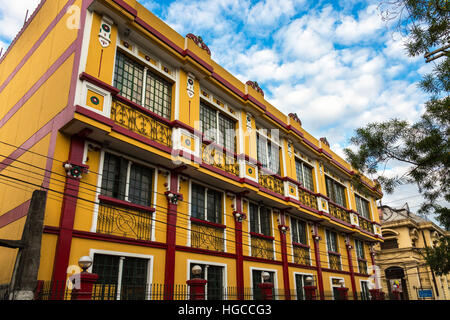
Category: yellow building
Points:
column 400, row 258
column 181, row 163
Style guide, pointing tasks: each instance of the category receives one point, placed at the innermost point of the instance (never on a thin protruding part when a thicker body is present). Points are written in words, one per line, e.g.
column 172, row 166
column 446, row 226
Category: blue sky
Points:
column 337, row 64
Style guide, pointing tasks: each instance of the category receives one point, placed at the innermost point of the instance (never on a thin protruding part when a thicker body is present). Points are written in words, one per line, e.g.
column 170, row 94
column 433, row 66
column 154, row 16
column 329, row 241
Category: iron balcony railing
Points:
column 207, row 236
column 152, row 127
column 307, row 198
column 124, row 222
column 339, row 212
column 301, row 255
column 261, row 246
column 334, row 260
column 218, row 157
column 365, row 224
column 271, row 182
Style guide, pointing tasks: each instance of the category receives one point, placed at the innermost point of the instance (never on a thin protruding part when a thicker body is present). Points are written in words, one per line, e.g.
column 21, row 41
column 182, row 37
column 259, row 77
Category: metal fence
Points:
column 49, row 290
column 113, row 291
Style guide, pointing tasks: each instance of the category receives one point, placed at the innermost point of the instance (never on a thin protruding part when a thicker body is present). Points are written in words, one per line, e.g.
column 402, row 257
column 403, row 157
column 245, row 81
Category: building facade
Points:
column 156, row 159
column 401, row 256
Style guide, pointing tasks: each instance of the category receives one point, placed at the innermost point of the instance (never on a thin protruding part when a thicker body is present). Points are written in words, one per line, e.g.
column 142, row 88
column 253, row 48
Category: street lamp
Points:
column 196, row 271
column 309, row 280
column 85, row 262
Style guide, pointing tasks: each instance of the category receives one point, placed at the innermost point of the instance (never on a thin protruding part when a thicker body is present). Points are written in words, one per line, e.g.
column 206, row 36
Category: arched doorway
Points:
column 396, row 282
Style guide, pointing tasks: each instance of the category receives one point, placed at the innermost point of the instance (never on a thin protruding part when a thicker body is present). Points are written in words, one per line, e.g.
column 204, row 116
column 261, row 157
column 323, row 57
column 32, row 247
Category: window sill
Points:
column 262, row 236
column 334, row 253
column 125, row 204
column 208, row 223
column 301, row 245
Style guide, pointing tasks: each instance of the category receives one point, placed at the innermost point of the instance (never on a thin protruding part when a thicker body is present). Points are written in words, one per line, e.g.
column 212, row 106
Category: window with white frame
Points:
column 362, row 206
column 206, row 203
column 334, row 258
column 305, row 174
column 299, row 234
column 215, row 288
column 125, row 180
column 260, row 219
column 268, row 152
column 359, row 248
column 336, row 191
column 121, row 277
column 332, row 239
column 217, row 127
column 139, row 84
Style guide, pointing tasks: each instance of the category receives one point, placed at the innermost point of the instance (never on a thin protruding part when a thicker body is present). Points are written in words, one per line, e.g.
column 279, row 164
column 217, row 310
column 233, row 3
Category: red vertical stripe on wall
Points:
column 284, row 259
column 352, row 272
column 318, row 264
column 239, row 253
column 169, row 275
column 67, row 217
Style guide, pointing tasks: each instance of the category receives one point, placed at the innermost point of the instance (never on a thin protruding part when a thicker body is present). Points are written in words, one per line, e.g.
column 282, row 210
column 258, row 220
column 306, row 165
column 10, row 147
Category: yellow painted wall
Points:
column 100, row 61
column 25, row 42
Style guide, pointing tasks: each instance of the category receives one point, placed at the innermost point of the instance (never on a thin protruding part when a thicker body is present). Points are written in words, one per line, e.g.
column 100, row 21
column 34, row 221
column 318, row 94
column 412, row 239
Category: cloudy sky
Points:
column 335, row 63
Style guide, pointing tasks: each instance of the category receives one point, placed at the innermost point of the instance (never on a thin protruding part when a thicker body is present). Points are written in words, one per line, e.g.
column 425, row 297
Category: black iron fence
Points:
column 113, row 291
column 49, row 290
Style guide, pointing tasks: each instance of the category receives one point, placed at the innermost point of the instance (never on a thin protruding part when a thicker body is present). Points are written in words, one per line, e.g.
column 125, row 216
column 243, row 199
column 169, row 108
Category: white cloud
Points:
column 308, row 37
column 365, row 27
column 13, row 15
column 267, row 12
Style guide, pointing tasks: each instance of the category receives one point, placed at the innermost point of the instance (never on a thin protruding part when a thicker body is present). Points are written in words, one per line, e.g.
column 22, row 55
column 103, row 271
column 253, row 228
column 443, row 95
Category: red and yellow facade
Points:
column 62, row 105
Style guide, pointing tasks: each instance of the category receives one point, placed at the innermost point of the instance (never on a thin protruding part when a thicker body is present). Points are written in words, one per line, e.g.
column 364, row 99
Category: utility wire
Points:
column 99, row 187
column 176, row 226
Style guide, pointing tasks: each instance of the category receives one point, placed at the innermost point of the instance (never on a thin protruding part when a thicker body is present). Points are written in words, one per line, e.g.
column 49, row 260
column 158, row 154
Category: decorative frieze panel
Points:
column 322, row 204
column 354, row 219
column 249, row 170
column 186, row 141
column 291, row 190
column 95, row 99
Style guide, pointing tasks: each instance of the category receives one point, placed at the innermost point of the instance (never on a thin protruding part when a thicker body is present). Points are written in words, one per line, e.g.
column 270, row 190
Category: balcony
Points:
column 271, row 182
column 301, row 254
column 142, row 122
column 261, row 246
column 334, row 259
column 129, row 222
column 217, row 157
column 206, row 235
column 307, row 198
column 339, row 212
column 365, row 224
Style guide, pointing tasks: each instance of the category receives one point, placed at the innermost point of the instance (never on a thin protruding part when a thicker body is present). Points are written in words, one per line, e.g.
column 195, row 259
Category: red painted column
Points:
column 283, row 229
column 266, row 290
column 343, row 293
column 239, row 216
column 67, row 217
column 197, row 289
column 87, row 281
column 310, row 292
column 350, row 266
column 171, row 232
column 316, row 239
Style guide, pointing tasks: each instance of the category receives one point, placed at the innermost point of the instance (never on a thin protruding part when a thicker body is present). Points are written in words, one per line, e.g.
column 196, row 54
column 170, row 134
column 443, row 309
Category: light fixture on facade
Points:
column 85, row 262
column 196, row 271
